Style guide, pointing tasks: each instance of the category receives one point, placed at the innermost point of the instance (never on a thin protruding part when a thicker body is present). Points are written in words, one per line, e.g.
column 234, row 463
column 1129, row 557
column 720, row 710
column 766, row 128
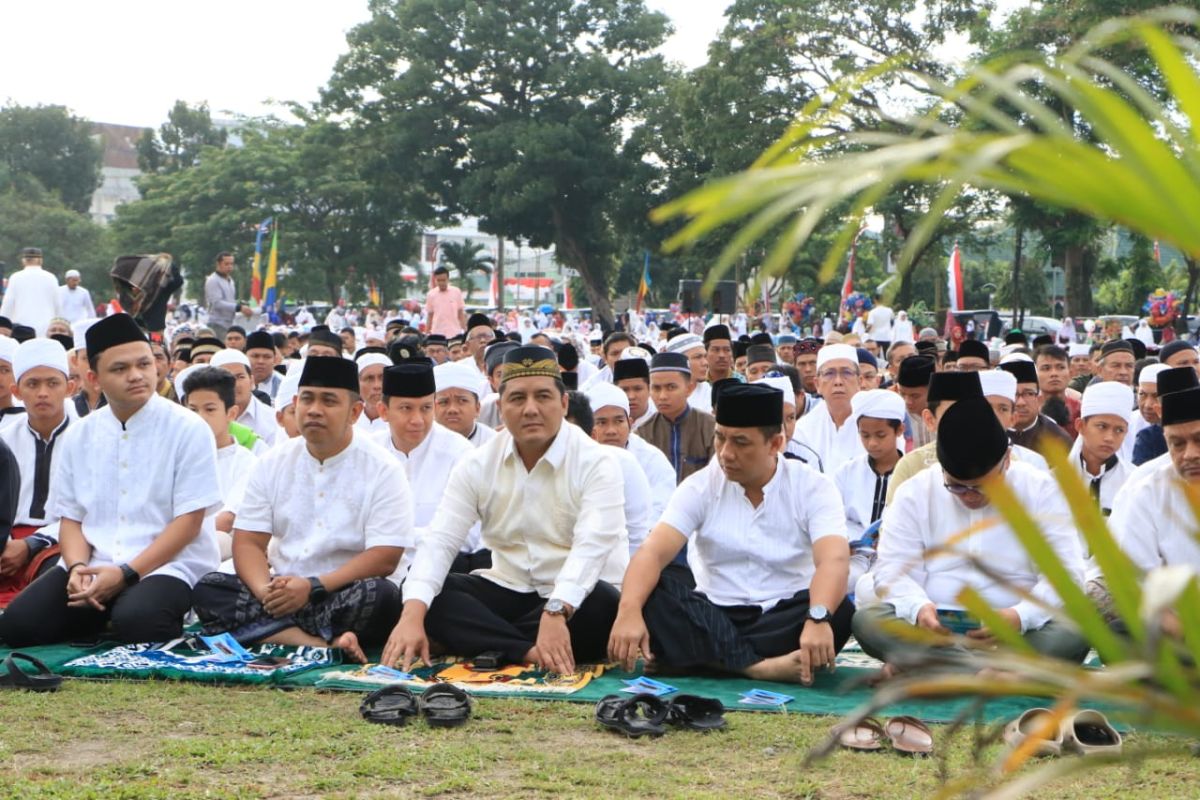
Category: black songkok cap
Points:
column 1177, row 379
column 1114, row 346
column 23, row 333
column 260, row 340
column 570, row 380
column 435, row 339
column 762, row 337
column 362, row 351
column 493, row 356
column 631, row 368
column 973, row 348
column 1139, row 348
column 1015, row 337
column 478, row 320
column 113, row 330
column 68, row 342
column 757, row 353
column 31, row 252
column 720, row 386
column 325, row 337
column 1023, row 371
column 457, row 338
column 808, row 346
column 675, row 330
column 927, row 349
column 970, row 439
column 205, row 344
column 740, row 349
column 414, row 379
column 915, row 371
column 330, row 372
column 670, row 362
column 1182, row 406
column 953, row 386
column 1038, row 341
column 750, row 405
column 530, row 362
column 717, row 332
column 568, row 356
column 1169, row 349
column 5, row 322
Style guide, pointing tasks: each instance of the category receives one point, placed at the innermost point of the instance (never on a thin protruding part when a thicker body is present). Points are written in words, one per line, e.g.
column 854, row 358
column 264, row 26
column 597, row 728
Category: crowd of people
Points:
column 443, row 484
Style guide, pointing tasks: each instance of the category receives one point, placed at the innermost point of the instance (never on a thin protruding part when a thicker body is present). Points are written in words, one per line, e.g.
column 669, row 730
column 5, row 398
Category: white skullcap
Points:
column 783, row 384
column 1008, row 350
column 831, row 352
column 39, row 353
column 79, row 332
column 71, row 273
column 635, row 352
column 1011, row 357
column 1149, row 373
column 1076, row 349
column 229, row 356
column 1108, row 397
column 8, row 348
column 601, row 394
column 453, row 375
column 182, row 377
column 289, row 386
column 371, row 359
column 683, row 343
column 877, row 404
column 596, row 336
column 998, row 383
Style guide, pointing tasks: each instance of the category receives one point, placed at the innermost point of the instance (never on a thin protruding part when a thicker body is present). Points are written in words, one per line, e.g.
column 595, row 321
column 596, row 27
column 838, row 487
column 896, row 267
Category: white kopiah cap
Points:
column 831, row 352
column 783, row 384
column 1108, row 397
column 877, row 404
column 602, row 394
column 39, row 353
column 998, row 383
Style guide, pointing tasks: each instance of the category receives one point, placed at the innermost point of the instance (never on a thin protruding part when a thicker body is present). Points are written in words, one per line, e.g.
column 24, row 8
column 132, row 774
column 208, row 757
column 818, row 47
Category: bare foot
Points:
column 887, row 673
column 782, row 669
column 348, row 642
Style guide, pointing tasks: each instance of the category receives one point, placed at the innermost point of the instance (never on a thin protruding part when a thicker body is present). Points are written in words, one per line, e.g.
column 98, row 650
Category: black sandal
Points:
column 13, row 677
column 696, row 713
column 445, row 705
column 391, row 705
column 637, row 716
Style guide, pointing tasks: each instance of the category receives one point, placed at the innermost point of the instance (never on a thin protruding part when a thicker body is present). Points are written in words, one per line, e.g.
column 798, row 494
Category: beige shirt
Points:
column 554, row 530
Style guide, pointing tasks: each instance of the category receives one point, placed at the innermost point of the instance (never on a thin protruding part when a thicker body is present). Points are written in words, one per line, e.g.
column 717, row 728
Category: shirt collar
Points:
column 53, row 434
column 555, row 455
column 332, row 460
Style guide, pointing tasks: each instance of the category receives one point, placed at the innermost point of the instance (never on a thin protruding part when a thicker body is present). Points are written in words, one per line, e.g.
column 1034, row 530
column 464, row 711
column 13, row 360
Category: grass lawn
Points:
column 168, row 740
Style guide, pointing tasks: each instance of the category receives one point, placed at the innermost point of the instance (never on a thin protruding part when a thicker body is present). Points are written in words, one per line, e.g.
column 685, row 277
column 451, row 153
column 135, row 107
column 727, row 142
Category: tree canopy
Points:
column 52, row 147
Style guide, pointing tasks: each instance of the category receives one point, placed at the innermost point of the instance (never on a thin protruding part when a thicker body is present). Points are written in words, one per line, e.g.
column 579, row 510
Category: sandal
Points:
column 866, row 735
column 637, row 716
column 13, row 677
column 1089, row 733
column 445, row 705
column 696, row 713
column 909, row 736
column 391, row 705
column 1032, row 722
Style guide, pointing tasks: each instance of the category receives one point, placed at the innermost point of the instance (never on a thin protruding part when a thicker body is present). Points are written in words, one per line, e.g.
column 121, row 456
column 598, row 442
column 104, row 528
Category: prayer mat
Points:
column 512, row 681
column 271, row 664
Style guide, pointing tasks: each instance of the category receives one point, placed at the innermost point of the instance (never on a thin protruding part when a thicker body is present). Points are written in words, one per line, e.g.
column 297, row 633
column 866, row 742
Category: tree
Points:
column 179, row 140
column 513, row 111
column 69, row 240
column 49, row 145
column 465, row 258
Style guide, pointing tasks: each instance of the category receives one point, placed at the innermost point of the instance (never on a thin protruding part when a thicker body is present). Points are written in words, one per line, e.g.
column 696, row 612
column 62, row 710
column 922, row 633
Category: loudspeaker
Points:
column 724, row 299
column 689, row 297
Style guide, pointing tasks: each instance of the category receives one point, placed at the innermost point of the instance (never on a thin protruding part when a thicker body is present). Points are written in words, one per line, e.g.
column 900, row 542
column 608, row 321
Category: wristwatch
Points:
column 557, row 608
column 818, row 614
column 317, row 591
column 130, row 575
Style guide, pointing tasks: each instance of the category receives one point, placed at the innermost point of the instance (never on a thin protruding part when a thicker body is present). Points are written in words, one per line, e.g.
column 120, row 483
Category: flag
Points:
column 493, row 293
column 766, row 298
column 644, row 286
column 1157, row 253
column 848, row 283
column 255, row 271
column 270, row 289
column 374, row 294
column 567, row 293
column 954, row 280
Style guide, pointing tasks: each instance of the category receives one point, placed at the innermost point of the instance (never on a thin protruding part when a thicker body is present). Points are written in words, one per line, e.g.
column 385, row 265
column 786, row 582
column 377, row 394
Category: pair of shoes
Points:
column 1086, row 732
column 907, row 735
column 444, row 706
column 13, row 677
column 646, row 715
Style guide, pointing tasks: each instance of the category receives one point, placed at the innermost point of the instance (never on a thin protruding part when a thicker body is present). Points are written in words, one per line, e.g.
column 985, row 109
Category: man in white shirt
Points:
column 459, row 387
column 610, row 425
column 826, row 428
column 632, row 376
column 1104, row 416
column 74, row 301
column 32, row 294
column 370, row 387
column 550, row 501
column 766, row 541
column 427, row 450
column 324, row 521
column 692, row 346
column 933, row 508
column 879, row 324
column 132, row 484
column 261, row 352
column 256, row 415
column 41, row 382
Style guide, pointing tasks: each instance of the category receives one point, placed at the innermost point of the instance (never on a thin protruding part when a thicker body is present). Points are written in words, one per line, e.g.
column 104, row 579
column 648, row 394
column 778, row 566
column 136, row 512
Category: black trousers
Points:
column 466, row 563
column 472, row 615
column 689, row 630
column 151, row 611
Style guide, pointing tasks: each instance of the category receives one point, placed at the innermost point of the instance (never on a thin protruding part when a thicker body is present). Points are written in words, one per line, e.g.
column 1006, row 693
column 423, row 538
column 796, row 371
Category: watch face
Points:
column 554, row 606
column 818, row 612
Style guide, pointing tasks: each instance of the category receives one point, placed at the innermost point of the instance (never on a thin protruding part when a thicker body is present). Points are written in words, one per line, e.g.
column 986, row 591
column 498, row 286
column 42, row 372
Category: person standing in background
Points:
column 74, row 301
column 445, row 310
column 32, row 295
column 220, row 296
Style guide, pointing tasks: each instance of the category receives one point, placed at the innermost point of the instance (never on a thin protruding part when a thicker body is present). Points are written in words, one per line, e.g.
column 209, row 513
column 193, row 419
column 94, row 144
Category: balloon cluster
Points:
column 800, row 310
column 1162, row 307
column 855, row 304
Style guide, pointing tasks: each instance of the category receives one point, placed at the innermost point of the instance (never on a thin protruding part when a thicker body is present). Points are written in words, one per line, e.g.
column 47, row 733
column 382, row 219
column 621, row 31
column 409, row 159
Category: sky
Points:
column 241, row 56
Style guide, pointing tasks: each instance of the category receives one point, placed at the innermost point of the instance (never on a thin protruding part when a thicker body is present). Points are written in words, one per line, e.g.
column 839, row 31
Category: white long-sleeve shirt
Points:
column 1153, row 520
column 31, row 299
column 659, row 473
column 923, row 515
column 75, row 304
column 833, row 445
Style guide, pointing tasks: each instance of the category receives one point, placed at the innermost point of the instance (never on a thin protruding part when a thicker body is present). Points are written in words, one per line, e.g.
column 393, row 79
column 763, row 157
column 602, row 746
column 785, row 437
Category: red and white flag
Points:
column 954, row 279
column 493, row 297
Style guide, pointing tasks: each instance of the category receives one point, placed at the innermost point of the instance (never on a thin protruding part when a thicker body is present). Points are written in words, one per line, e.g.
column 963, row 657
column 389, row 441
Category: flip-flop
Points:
column 696, row 713
column 909, row 735
column 13, row 677
column 445, row 705
column 867, row 735
column 391, row 705
column 637, row 716
column 1089, row 733
column 1029, row 723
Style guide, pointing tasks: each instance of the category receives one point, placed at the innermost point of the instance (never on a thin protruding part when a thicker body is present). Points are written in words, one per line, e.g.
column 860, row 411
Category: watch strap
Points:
column 317, row 590
column 130, row 575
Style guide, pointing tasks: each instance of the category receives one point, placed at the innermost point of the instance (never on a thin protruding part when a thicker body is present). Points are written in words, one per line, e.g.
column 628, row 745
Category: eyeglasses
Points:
column 481, row 337
column 961, row 489
column 1028, row 394
column 845, row 374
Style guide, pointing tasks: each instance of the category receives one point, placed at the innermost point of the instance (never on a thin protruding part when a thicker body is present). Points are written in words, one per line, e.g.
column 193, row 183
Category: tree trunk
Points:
column 500, row 273
column 570, row 253
column 1015, row 283
column 1077, row 271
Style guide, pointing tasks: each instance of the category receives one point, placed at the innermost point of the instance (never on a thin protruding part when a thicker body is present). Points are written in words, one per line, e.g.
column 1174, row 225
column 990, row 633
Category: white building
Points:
column 118, row 168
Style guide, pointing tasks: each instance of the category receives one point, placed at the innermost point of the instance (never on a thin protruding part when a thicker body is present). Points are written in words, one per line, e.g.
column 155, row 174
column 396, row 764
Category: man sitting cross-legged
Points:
column 323, row 522
column 767, row 544
column 550, row 502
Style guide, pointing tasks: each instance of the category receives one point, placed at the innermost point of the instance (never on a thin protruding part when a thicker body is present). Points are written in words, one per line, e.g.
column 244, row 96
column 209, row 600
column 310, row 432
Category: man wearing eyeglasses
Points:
column 826, row 428
column 923, row 587
column 1032, row 428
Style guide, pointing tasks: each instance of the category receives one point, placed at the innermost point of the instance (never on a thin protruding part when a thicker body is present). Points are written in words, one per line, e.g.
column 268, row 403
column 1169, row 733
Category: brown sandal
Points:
column 867, row 734
column 909, row 736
